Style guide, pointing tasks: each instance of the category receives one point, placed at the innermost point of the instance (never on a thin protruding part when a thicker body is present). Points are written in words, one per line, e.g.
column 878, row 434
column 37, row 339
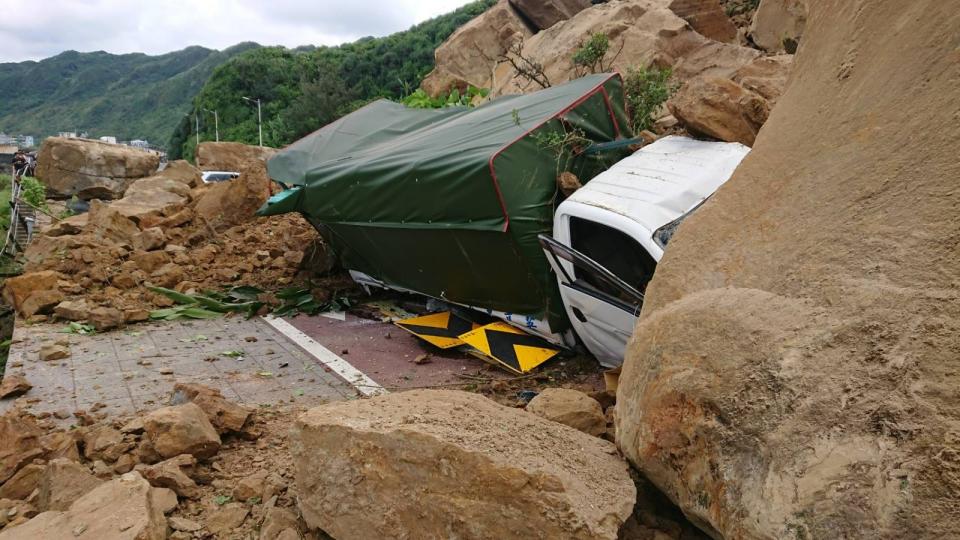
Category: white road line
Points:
column 358, row 379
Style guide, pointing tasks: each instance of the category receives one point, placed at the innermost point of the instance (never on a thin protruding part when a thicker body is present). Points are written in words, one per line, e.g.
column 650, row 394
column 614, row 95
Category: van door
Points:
column 602, row 307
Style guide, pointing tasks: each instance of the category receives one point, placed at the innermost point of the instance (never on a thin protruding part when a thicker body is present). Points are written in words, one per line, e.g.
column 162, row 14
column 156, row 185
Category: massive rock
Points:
column 19, row 443
column 766, row 76
column 232, row 156
column 439, row 464
column 795, row 368
column 571, row 408
column 543, row 14
column 91, row 169
column 230, row 203
column 778, row 25
column 468, row 57
column 16, row 290
column 641, row 33
column 721, row 109
column 122, row 509
column 181, row 429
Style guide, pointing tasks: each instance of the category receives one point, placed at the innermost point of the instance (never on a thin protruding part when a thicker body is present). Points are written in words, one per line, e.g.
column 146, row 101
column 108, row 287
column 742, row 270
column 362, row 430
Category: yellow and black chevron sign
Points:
column 441, row 329
column 513, row 348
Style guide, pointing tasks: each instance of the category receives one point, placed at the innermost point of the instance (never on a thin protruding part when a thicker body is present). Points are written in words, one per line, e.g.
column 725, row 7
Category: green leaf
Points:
column 222, row 499
column 233, row 354
column 177, row 297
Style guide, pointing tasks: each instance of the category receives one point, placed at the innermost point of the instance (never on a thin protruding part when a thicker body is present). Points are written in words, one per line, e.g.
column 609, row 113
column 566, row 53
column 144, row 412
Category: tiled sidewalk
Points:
column 134, row 369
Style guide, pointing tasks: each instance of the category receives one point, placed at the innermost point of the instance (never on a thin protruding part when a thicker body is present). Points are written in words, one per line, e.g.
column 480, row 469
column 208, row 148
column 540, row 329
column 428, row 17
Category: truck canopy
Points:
column 449, row 202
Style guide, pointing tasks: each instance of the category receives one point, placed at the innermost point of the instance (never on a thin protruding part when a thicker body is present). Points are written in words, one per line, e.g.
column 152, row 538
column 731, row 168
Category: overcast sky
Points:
column 36, row 29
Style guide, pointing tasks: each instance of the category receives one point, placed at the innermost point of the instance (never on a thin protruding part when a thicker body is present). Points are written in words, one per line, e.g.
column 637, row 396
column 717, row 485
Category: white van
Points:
column 610, row 234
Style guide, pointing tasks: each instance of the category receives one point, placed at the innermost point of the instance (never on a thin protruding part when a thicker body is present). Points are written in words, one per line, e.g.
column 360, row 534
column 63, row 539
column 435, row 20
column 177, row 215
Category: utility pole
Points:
column 196, row 153
column 259, row 117
column 216, row 123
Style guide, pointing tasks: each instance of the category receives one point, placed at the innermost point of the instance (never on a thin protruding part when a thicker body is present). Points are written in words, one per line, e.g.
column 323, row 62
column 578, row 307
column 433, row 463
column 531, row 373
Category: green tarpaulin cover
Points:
column 449, row 202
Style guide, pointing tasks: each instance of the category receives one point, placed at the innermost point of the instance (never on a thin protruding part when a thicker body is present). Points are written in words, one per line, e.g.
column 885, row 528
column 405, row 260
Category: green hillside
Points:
column 306, row 88
column 129, row 96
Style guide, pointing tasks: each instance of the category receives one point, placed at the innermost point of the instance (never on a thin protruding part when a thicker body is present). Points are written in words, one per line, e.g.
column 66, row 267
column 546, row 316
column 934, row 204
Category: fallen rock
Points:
column 105, row 318
column 17, row 289
column 63, row 482
column 545, row 13
column 250, row 487
column 707, row 18
column 184, row 524
column 275, row 521
column 14, row 384
column 22, row 484
column 232, row 156
column 778, row 25
column 469, row 55
column 230, row 203
column 181, row 429
column 60, row 444
column 19, row 443
column 721, row 109
column 41, row 303
column 225, row 415
column 121, row 509
column 103, row 442
column 69, row 226
column 438, row 463
column 52, row 351
column 226, row 518
column 767, row 76
column 164, row 499
column 173, row 474
column 106, row 223
column 571, row 408
column 149, row 239
column 73, row 310
column 91, row 169
column 780, row 386
column 150, row 261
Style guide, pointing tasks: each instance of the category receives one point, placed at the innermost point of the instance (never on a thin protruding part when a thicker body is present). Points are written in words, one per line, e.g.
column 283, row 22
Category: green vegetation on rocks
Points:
column 303, row 89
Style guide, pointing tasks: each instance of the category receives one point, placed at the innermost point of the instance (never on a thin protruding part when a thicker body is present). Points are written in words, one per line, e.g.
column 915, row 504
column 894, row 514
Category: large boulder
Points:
column 641, row 33
column 230, row 203
column 469, row 56
column 778, row 25
column 721, row 109
column 181, row 429
column 766, row 76
column 182, row 171
column 106, row 223
column 438, row 464
column 543, row 14
column 794, row 371
column 570, row 407
column 232, row 156
column 19, row 443
column 91, row 169
column 122, row 509
column 16, row 290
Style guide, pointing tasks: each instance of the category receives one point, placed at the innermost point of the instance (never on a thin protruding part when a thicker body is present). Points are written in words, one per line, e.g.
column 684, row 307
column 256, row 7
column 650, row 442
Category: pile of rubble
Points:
column 169, row 230
column 416, row 464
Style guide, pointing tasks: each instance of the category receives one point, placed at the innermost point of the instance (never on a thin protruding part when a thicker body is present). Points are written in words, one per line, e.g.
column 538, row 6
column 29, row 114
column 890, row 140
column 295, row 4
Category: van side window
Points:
column 614, row 250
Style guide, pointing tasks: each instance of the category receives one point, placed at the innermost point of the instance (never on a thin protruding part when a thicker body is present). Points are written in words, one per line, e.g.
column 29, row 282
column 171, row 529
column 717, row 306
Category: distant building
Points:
column 139, row 143
column 111, row 140
column 25, row 141
column 67, row 134
column 6, row 140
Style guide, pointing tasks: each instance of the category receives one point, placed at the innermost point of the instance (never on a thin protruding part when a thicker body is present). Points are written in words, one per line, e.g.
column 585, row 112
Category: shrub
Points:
column 646, row 90
column 34, row 193
column 421, row 100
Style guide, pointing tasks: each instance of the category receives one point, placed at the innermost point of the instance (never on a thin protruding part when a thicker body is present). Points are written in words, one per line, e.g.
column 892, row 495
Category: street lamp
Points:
column 259, row 117
column 216, row 123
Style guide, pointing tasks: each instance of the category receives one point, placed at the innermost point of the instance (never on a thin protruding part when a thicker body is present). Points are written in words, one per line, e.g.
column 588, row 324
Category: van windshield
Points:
column 614, row 250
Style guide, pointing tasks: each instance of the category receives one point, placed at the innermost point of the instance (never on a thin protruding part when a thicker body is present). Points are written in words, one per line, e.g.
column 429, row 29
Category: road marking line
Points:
column 358, row 379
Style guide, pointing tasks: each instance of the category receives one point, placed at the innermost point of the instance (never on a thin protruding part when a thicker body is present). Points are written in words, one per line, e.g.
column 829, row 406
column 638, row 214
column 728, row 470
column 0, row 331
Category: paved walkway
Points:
column 133, row 370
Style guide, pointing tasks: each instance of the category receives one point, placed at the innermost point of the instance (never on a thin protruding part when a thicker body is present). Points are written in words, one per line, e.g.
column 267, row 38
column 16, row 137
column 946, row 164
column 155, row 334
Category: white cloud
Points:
column 32, row 29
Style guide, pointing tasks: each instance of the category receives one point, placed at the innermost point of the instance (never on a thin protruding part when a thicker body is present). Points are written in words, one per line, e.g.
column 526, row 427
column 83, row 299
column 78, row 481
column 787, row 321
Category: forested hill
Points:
column 304, row 89
column 129, row 96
